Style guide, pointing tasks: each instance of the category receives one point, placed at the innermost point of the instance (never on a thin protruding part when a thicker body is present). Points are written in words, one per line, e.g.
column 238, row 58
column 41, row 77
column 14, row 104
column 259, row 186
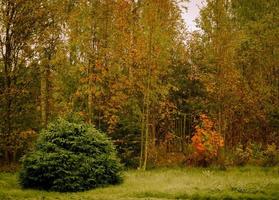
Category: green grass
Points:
column 180, row 183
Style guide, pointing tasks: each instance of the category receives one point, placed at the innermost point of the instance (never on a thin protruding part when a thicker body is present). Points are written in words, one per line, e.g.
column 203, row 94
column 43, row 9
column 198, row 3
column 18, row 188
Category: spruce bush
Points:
column 70, row 157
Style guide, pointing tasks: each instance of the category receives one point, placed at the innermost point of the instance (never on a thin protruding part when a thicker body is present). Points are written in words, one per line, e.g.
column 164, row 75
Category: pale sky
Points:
column 192, row 13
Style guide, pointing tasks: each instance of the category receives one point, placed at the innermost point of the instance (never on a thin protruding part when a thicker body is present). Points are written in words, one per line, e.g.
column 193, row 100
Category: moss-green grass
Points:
column 179, row 183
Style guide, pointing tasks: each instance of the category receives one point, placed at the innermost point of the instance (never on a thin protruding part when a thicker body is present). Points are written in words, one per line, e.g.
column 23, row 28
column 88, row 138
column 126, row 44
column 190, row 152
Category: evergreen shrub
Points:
column 70, row 157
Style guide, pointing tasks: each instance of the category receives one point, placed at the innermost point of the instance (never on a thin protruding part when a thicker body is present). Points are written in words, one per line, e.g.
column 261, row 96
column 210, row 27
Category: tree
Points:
column 232, row 68
column 20, row 23
column 47, row 45
column 257, row 60
column 162, row 27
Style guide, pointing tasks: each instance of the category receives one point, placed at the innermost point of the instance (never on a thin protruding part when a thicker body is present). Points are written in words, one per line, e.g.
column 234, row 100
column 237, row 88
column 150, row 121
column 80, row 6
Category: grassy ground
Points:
column 186, row 183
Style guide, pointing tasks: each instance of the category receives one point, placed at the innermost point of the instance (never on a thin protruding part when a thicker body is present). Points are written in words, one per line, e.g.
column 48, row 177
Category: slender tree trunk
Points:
column 153, row 133
column 7, row 118
column 142, row 135
column 90, row 95
column 90, row 76
column 44, row 98
column 148, row 100
column 219, row 65
column 8, row 100
column 135, row 8
column 45, row 76
column 146, row 126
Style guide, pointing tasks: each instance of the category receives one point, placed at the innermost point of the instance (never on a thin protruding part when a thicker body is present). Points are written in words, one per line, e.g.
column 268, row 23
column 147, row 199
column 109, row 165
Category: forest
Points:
column 128, row 76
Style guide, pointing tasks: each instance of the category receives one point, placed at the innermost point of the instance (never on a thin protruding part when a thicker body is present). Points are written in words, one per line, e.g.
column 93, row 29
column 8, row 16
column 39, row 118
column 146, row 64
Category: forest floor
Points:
column 178, row 183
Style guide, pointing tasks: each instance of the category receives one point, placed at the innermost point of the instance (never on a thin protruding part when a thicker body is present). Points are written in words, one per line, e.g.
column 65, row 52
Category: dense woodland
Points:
column 133, row 70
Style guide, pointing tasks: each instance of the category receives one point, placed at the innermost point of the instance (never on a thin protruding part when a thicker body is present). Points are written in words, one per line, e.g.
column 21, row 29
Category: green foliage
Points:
column 70, row 157
column 127, row 145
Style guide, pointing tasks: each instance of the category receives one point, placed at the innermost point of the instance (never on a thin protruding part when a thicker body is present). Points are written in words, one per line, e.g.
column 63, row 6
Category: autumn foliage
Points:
column 132, row 69
column 206, row 141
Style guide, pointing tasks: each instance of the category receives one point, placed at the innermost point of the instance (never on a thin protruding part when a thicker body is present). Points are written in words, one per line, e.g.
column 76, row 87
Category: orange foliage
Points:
column 206, row 141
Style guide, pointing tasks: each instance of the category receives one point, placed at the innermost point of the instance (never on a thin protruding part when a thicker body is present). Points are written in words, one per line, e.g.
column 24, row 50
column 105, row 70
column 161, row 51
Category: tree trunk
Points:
column 7, row 89
column 45, row 76
column 44, row 96
column 90, row 102
column 148, row 100
column 142, row 135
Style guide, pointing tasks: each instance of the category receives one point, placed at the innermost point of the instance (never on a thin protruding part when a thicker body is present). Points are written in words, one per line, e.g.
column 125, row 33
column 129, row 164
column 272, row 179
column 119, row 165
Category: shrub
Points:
column 206, row 142
column 255, row 154
column 242, row 155
column 70, row 157
column 271, row 155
